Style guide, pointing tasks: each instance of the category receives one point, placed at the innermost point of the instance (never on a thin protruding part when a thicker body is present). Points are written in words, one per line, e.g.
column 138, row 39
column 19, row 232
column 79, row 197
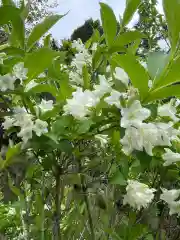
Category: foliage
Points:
column 90, row 143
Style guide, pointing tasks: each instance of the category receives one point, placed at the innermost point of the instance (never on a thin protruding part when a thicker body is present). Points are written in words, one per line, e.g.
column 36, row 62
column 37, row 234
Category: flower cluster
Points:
column 7, row 81
column 138, row 194
column 170, row 197
column 26, row 123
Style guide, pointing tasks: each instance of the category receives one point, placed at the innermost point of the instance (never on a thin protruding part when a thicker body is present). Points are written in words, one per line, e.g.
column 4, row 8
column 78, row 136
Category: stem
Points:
column 57, row 214
column 42, row 213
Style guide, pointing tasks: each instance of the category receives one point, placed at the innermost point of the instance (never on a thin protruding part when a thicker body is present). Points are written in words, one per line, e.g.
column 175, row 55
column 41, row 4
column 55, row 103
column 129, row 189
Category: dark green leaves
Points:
column 38, row 61
column 11, row 14
column 131, row 7
column 40, row 29
column 137, row 74
column 172, row 10
column 118, row 178
column 109, row 23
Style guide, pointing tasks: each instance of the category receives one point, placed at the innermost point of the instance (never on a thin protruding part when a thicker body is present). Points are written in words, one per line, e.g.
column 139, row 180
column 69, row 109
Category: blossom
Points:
column 79, row 105
column 169, row 195
column 7, row 82
column 138, row 194
column 170, row 157
column 19, row 71
column 26, row 133
column 139, row 137
column 8, row 123
column 103, row 87
column 150, row 83
column 114, row 98
column 46, row 105
column 76, row 77
column 103, row 139
column 121, row 75
column 40, row 127
column 94, row 47
column 81, row 59
column 78, row 45
column 168, row 110
column 134, row 114
column 2, row 55
column 177, row 102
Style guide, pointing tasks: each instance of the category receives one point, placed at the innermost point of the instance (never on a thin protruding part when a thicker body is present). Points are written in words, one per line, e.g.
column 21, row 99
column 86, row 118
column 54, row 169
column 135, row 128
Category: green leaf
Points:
column 13, row 51
column 12, row 151
column 43, row 88
column 172, row 74
column 166, row 92
column 84, row 126
column 39, row 60
column 86, row 77
column 11, row 14
column 127, row 37
column 172, row 10
column 156, row 63
column 131, row 7
column 137, row 74
column 40, row 29
column 109, row 23
column 65, row 146
column 118, row 178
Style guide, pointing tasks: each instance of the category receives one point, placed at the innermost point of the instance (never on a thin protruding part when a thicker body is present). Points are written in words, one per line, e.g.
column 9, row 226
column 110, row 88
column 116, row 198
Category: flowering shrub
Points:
column 101, row 133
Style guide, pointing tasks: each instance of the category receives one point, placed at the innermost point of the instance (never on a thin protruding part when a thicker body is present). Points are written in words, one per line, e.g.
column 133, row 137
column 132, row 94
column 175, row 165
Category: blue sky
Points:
column 81, row 10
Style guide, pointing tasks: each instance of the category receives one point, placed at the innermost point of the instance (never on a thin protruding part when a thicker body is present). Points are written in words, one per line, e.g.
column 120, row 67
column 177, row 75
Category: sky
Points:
column 80, row 11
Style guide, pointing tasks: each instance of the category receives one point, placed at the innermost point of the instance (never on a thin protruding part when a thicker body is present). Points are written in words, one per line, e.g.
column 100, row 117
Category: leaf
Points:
column 39, row 60
column 13, row 51
column 127, row 37
column 40, row 29
column 43, row 88
column 118, row 178
column 172, row 10
column 86, row 77
column 172, row 74
column 84, row 126
column 166, row 92
column 65, row 146
column 109, row 23
column 12, row 151
column 156, row 63
column 137, row 74
column 11, row 14
column 131, row 7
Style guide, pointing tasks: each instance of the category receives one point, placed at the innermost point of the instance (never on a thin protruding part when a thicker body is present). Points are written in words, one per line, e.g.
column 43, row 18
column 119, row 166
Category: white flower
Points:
column 103, row 87
column 30, row 85
column 121, row 75
column 7, row 82
column 76, row 77
column 25, row 134
column 40, row 127
column 103, row 139
column 8, row 123
column 79, row 105
column 170, row 157
column 81, row 59
column 19, row 71
column 114, row 98
column 168, row 110
column 78, row 45
column 134, row 114
column 11, row 211
column 46, row 105
column 139, row 137
column 138, row 195
column 169, row 196
column 94, row 47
